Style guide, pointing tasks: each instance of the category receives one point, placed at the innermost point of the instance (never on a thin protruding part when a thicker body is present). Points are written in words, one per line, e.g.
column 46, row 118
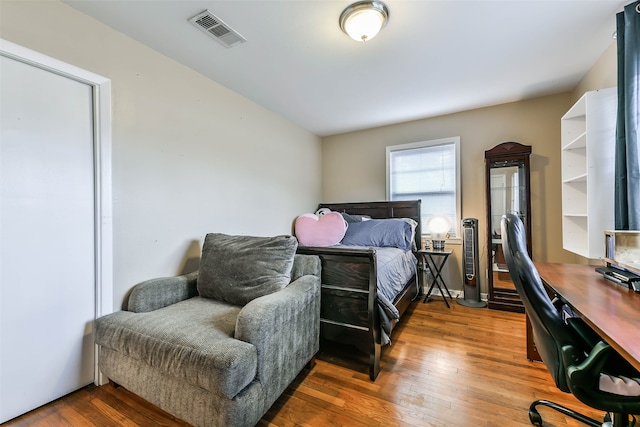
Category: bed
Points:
column 353, row 310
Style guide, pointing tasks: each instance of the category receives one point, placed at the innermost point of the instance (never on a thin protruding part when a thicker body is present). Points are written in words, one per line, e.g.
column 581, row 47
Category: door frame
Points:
column 101, row 88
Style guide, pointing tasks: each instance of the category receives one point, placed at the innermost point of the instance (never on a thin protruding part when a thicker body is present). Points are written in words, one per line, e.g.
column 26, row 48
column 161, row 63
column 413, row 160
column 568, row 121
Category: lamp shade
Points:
column 439, row 226
column 363, row 20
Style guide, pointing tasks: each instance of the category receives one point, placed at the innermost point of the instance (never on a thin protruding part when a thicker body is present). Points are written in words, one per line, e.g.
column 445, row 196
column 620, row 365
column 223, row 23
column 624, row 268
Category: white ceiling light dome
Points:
column 363, row 20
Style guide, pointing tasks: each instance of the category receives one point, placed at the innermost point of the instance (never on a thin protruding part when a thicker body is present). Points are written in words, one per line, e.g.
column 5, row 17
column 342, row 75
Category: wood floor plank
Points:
column 74, row 418
column 457, row 367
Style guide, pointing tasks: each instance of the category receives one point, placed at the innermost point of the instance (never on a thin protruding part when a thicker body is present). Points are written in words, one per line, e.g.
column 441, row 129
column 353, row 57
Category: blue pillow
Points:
column 393, row 232
column 354, row 218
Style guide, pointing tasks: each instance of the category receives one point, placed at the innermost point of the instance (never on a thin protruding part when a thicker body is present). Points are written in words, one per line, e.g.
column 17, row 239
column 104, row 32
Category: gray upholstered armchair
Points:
column 217, row 347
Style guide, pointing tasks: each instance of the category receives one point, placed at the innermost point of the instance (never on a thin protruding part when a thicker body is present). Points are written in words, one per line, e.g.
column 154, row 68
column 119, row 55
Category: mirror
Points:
column 506, row 197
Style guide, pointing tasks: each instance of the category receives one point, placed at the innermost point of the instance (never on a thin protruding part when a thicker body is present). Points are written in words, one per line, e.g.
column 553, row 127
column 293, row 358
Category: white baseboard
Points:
column 454, row 293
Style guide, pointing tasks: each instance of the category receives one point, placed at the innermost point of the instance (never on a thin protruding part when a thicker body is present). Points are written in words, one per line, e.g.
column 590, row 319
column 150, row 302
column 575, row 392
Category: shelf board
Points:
column 578, row 178
column 500, row 270
column 579, row 142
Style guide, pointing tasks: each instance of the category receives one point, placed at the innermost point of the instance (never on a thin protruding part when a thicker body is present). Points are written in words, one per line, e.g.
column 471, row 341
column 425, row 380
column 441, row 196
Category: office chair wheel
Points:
column 535, row 417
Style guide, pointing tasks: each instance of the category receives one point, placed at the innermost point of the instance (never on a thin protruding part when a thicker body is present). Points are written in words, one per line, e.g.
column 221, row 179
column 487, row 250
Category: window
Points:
column 429, row 171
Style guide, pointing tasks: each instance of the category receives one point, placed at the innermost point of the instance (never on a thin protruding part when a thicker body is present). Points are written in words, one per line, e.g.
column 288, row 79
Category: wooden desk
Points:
column 610, row 309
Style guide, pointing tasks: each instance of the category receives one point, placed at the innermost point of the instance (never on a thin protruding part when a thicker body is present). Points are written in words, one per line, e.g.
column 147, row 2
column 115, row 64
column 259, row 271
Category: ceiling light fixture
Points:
column 363, row 20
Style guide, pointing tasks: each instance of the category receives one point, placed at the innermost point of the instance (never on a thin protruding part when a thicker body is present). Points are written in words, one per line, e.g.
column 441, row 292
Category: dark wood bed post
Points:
column 374, row 323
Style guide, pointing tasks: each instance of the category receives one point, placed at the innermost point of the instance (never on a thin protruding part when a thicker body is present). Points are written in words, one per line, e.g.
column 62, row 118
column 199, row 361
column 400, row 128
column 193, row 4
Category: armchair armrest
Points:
column 157, row 293
column 585, row 380
column 285, row 329
column 587, row 372
column 588, row 336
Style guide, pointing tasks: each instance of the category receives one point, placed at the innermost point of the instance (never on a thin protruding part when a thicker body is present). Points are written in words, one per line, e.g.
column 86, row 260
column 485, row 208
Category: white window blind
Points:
column 428, row 171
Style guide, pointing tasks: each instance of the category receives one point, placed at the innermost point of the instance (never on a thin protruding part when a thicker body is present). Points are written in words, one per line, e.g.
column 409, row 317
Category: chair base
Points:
column 536, row 419
column 619, row 420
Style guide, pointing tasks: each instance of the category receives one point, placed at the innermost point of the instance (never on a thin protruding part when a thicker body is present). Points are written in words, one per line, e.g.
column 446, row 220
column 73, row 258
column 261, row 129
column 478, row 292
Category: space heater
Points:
column 470, row 264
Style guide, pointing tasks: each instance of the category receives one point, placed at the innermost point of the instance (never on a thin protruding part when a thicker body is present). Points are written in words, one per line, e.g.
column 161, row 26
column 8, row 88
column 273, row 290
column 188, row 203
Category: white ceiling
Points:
column 434, row 57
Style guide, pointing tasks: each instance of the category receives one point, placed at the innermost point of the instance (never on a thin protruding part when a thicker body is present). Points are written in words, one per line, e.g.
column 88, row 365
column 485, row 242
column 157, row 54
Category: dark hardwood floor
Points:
column 446, row 367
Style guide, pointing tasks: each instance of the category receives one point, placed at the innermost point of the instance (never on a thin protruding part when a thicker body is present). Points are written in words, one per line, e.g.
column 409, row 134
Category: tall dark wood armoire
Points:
column 508, row 191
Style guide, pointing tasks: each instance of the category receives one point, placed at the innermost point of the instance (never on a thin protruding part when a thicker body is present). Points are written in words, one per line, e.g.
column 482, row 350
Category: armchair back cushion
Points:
column 238, row 269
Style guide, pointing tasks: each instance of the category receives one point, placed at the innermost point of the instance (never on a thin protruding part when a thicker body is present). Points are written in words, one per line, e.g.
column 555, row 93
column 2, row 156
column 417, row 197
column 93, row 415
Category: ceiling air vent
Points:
column 214, row 27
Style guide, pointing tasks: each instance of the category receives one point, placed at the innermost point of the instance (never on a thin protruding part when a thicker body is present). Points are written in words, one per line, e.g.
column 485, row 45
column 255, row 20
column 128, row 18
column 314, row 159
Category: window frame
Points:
column 455, row 140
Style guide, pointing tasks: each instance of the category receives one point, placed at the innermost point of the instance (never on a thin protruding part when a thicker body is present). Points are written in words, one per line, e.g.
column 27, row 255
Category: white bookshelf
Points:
column 588, row 142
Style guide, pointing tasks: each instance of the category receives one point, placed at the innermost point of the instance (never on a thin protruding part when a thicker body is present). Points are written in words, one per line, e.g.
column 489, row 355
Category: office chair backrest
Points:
column 549, row 330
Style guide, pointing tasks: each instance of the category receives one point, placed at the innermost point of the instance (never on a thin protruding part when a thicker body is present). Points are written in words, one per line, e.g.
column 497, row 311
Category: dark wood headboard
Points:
column 381, row 210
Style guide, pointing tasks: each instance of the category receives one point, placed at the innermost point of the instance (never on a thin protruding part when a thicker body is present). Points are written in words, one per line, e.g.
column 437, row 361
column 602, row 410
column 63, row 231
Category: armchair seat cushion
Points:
column 191, row 340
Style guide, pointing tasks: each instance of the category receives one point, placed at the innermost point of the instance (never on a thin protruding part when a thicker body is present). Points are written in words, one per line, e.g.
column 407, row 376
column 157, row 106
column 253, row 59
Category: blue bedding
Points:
column 395, row 268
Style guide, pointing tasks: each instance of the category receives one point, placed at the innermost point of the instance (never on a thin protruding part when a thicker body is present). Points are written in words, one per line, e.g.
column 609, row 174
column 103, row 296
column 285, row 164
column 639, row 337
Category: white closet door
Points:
column 47, row 250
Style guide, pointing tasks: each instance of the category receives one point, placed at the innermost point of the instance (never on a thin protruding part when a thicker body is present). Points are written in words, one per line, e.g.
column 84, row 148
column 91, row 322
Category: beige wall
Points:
column 602, row 75
column 354, row 165
column 189, row 156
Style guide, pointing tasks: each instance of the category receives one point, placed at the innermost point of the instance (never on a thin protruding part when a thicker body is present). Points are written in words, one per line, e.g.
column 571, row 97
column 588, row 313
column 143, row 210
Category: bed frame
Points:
column 349, row 310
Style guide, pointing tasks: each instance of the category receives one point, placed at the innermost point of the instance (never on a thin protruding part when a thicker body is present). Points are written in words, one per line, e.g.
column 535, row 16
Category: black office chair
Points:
column 579, row 362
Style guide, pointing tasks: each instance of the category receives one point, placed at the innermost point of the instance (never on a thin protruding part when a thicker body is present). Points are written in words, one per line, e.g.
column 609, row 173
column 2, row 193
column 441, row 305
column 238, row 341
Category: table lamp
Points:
column 438, row 226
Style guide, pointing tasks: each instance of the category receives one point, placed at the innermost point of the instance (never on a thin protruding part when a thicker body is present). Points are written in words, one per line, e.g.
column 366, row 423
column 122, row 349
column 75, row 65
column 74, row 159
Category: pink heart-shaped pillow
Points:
column 326, row 230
